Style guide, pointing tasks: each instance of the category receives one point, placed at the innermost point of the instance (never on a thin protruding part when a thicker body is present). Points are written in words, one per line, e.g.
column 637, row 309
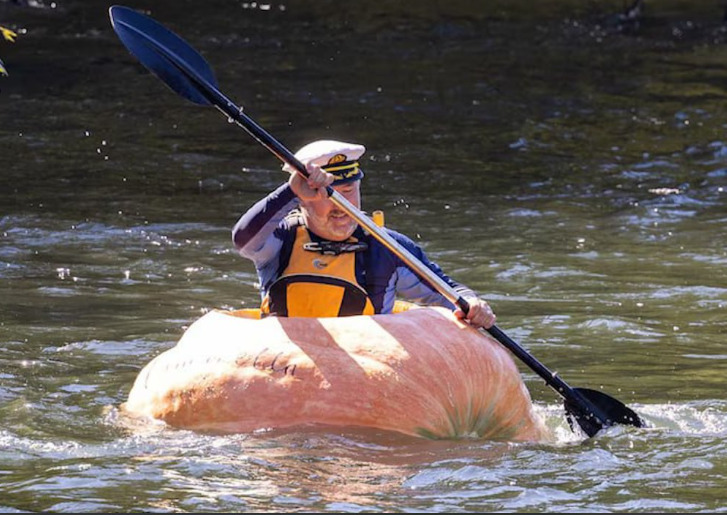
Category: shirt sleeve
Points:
column 254, row 234
column 410, row 286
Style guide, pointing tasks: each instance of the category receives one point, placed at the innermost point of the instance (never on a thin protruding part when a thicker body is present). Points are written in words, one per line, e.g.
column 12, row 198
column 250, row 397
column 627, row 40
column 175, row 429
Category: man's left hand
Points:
column 479, row 315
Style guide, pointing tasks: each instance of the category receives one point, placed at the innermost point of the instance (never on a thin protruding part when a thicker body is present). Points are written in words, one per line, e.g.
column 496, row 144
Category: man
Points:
column 313, row 260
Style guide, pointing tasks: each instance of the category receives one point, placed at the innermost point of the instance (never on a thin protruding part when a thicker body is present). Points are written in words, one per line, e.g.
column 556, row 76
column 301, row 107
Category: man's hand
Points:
column 312, row 188
column 479, row 315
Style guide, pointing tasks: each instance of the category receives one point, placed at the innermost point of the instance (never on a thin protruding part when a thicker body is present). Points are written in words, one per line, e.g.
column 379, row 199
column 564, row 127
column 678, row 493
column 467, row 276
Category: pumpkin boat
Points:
column 419, row 372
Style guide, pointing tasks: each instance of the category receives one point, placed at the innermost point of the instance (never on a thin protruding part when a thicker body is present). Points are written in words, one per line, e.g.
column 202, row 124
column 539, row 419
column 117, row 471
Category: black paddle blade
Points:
column 164, row 53
column 612, row 410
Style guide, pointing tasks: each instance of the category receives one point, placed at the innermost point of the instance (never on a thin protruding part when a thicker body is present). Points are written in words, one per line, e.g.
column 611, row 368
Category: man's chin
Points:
column 341, row 233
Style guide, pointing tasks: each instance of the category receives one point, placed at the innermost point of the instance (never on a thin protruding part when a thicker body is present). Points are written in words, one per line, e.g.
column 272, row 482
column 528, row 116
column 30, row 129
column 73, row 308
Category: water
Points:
column 572, row 170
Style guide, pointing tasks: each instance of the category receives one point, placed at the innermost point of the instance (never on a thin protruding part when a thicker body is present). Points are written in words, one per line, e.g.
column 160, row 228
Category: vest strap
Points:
column 334, row 248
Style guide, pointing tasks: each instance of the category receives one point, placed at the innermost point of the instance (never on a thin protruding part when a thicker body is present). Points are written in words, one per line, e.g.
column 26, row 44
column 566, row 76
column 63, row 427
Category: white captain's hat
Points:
column 335, row 157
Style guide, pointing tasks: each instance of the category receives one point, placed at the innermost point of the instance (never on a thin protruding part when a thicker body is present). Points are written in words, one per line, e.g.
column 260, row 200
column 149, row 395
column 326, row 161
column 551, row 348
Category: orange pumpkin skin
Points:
column 421, row 372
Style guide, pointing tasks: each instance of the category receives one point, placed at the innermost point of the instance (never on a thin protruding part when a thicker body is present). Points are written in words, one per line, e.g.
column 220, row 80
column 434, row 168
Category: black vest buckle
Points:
column 334, row 248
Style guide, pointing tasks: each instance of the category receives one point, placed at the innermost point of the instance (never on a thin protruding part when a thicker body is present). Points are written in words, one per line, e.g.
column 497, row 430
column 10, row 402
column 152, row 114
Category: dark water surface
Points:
column 571, row 169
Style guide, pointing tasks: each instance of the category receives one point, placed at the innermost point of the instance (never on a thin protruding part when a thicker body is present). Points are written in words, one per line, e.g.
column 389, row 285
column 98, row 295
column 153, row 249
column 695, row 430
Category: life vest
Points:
column 318, row 281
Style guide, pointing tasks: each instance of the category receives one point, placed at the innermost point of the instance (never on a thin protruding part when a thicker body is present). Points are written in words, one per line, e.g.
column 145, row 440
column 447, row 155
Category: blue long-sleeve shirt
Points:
column 263, row 231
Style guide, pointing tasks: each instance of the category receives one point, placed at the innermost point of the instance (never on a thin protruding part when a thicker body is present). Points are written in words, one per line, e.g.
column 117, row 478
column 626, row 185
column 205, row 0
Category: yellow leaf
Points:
column 8, row 34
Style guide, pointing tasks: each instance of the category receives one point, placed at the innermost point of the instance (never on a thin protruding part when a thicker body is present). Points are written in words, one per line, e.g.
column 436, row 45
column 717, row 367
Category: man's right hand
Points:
column 313, row 187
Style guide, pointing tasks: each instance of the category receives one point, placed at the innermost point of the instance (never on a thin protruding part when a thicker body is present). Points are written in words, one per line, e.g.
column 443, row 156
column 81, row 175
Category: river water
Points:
column 569, row 167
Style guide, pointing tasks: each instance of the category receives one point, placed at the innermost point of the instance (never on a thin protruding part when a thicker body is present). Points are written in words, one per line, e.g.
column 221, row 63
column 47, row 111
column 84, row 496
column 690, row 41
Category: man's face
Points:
column 327, row 220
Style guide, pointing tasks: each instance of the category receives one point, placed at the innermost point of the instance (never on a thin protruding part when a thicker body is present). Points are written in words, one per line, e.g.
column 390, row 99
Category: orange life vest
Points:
column 317, row 284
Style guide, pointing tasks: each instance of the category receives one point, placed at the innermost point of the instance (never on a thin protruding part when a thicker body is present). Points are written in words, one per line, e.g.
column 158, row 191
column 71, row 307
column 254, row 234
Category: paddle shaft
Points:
column 228, row 107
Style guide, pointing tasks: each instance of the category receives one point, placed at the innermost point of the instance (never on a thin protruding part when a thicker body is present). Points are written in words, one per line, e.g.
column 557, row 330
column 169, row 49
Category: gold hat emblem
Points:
column 338, row 158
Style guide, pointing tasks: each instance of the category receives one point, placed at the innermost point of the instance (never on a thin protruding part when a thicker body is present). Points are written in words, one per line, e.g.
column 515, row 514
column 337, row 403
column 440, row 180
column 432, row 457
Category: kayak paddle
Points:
column 187, row 73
